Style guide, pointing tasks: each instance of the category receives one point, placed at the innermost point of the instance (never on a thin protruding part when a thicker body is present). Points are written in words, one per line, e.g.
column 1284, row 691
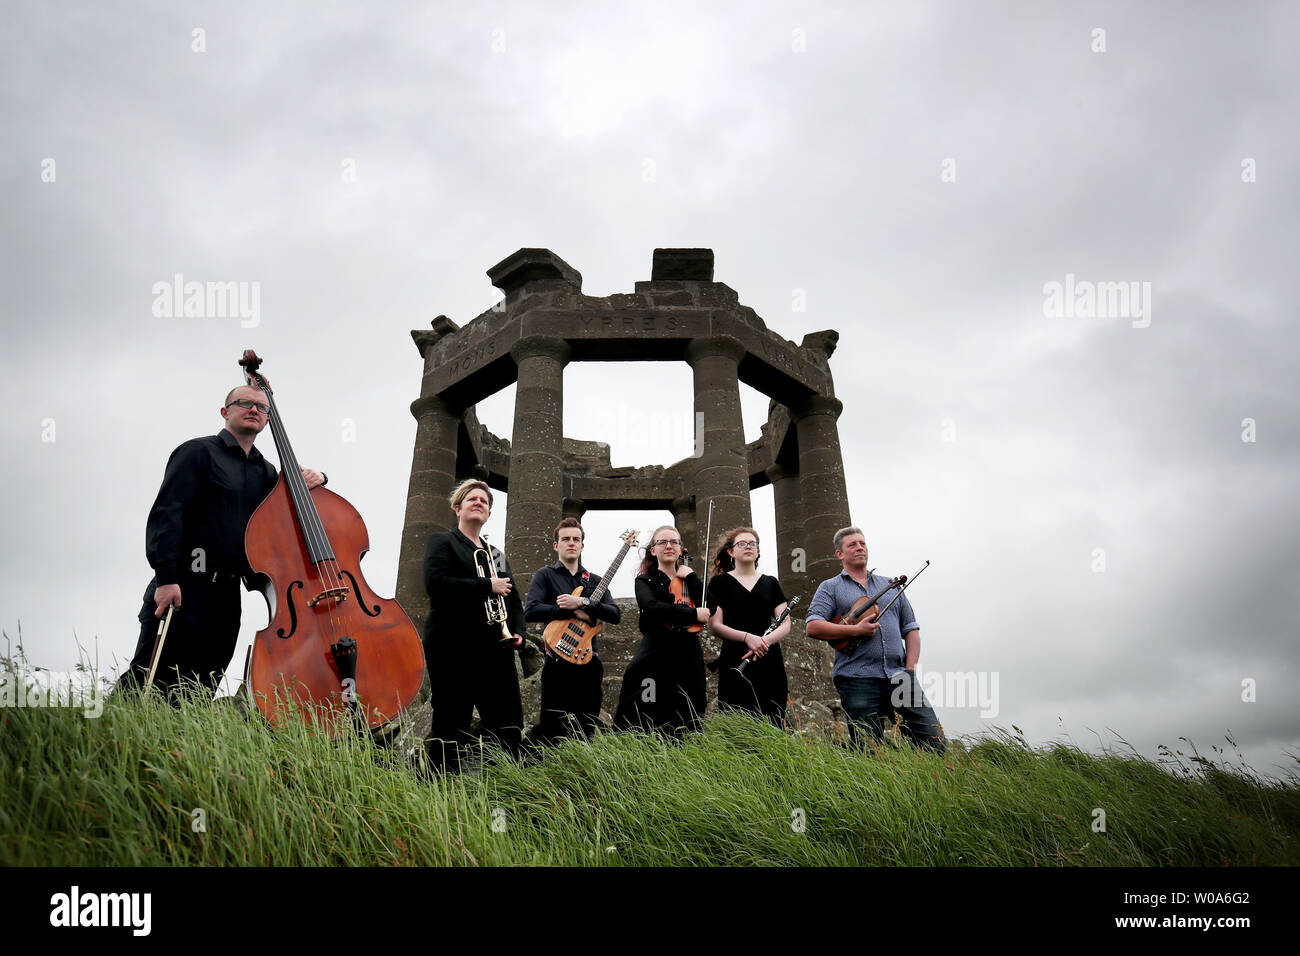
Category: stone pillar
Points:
column 536, row 455
column 722, row 472
column 573, row 508
column 823, row 497
column 683, row 510
column 433, row 476
column 788, row 560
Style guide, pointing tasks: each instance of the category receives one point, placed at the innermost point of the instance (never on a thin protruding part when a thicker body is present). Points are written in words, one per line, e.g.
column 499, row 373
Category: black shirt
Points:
column 209, row 491
column 550, row 582
column 660, row 613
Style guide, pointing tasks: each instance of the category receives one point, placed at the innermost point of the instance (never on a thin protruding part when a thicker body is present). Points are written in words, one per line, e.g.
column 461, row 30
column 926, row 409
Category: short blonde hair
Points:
column 464, row 488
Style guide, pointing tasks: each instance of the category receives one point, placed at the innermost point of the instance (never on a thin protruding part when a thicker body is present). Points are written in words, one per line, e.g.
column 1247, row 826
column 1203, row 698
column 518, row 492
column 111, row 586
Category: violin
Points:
column 681, row 594
column 866, row 609
column 332, row 646
column 863, row 609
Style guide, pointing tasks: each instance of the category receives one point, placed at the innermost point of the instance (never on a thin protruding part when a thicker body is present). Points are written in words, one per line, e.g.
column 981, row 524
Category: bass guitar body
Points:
column 570, row 640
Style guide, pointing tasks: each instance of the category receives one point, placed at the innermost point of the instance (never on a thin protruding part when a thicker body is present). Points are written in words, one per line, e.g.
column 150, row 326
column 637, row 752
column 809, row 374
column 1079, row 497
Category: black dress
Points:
column 762, row 688
column 664, row 685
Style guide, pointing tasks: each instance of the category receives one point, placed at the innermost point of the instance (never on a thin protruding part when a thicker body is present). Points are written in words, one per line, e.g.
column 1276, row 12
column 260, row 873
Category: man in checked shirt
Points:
column 875, row 676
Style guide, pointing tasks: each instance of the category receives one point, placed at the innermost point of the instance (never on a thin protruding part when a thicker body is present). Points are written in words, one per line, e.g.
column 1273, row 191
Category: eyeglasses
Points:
column 747, row 545
column 675, row 542
column 249, row 403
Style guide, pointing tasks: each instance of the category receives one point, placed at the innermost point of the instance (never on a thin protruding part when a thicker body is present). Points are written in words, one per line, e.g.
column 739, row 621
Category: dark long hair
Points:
column 722, row 561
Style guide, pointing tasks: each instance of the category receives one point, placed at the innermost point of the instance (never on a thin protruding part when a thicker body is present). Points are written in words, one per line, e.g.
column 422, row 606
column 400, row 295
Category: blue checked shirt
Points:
column 884, row 653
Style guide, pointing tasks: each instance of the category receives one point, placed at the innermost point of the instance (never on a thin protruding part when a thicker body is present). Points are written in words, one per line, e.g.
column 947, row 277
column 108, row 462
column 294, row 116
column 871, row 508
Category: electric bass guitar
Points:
column 570, row 639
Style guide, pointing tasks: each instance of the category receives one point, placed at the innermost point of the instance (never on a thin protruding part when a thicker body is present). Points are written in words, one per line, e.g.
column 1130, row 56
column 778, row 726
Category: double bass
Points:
column 332, row 647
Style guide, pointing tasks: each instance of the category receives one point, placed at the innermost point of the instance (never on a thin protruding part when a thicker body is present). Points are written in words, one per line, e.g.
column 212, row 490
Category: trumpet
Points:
column 495, row 606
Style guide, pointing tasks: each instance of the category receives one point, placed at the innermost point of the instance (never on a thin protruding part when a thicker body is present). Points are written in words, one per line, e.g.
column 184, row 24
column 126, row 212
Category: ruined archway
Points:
column 543, row 323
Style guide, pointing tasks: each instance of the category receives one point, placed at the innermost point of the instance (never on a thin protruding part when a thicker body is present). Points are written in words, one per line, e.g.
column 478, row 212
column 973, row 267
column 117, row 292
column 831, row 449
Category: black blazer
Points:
column 457, row 594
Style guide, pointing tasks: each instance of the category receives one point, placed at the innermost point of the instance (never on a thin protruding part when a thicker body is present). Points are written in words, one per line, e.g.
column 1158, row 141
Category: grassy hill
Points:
column 146, row 784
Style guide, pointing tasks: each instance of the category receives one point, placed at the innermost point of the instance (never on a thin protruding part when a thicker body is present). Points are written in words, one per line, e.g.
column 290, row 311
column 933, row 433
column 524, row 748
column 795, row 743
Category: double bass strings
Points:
column 318, row 543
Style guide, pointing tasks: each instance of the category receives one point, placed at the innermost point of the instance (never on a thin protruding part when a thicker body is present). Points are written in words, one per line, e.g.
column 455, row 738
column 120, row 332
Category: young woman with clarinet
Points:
column 742, row 603
column 663, row 686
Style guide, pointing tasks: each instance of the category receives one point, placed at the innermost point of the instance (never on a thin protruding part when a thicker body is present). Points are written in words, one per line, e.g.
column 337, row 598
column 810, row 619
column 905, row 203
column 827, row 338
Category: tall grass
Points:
column 122, row 790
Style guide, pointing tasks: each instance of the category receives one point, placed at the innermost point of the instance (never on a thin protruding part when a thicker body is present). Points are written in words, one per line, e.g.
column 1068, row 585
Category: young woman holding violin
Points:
column 663, row 686
column 743, row 602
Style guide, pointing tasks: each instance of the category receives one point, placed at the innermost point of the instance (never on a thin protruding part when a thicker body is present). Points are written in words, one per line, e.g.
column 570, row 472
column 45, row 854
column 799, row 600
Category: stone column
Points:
column 788, row 560
column 683, row 510
column 433, row 476
column 824, row 500
column 536, row 455
column 722, row 472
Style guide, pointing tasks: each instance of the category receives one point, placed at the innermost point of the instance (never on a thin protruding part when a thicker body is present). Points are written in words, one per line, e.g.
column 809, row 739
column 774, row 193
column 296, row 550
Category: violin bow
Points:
column 905, row 586
column 708, row 542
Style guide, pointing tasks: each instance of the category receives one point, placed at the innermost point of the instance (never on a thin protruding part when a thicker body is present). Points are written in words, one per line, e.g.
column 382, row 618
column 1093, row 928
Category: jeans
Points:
column 871, row 701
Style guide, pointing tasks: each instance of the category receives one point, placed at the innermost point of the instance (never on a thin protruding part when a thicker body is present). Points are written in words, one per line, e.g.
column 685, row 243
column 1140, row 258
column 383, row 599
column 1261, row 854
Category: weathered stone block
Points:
column 682, row 264
column 532, row 265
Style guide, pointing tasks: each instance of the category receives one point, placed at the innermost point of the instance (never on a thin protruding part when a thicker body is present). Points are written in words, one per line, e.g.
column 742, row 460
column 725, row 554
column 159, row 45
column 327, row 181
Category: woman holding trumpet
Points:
column 475, row 623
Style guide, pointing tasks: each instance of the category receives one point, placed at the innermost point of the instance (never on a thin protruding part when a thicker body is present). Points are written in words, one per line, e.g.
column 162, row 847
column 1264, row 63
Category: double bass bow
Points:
column 332, row 646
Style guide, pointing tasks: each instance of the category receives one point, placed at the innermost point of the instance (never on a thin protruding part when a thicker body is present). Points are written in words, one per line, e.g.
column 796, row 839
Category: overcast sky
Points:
column 1110, row 537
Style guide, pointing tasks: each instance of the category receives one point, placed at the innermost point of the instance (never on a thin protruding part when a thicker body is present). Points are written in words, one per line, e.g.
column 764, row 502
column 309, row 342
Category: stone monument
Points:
column 543, row 323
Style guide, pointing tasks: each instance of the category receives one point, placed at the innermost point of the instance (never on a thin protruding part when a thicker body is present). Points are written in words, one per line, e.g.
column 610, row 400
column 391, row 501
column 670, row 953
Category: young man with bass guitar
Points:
column 571, row 689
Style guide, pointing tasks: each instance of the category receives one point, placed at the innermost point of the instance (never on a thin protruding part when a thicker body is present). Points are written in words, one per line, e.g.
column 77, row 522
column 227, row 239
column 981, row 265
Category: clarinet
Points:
column 749, row 658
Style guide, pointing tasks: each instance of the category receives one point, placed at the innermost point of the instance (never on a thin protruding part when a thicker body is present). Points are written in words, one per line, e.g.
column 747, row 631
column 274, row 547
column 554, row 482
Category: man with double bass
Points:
column 194, row 540
column 470, row 658
column 876, row 676
column 571, row 693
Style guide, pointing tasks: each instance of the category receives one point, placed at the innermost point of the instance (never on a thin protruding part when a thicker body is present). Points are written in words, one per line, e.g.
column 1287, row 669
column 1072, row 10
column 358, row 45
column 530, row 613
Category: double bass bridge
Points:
column 337, row 595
